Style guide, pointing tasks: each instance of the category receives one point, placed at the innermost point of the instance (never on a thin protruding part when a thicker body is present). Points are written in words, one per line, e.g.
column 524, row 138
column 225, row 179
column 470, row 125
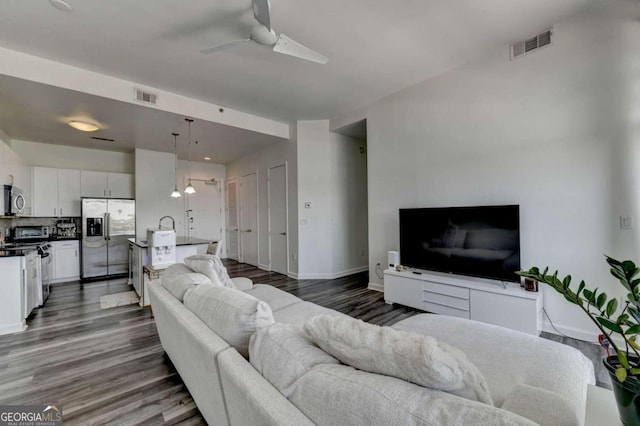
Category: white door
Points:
column 68, row 192
column 232, row 220
column 94, row 184
column 120, row 185
column 45, row 192
column 205, row 215
column 249, row 219
column 278, row 218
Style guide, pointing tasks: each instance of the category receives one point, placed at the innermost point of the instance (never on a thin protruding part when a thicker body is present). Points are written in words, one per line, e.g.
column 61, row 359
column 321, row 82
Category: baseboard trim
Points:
column 13, row 328
column 376, row 287
column 293, row 275
column 333, row 276
column 264, row 267
column 574, row 333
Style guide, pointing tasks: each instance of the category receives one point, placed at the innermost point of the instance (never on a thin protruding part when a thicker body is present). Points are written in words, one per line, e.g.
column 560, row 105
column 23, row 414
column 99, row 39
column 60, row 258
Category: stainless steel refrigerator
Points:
column 107, row 223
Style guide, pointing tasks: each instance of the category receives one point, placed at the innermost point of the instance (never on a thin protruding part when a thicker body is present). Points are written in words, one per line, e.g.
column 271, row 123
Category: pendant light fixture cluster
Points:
column 175, row 193
column 189, row 189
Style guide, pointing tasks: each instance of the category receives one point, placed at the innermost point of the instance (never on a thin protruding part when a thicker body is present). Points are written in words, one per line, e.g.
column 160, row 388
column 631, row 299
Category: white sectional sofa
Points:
column 531, row 380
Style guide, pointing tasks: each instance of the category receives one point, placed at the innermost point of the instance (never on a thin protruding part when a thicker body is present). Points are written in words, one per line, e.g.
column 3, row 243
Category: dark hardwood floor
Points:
column 106, row 366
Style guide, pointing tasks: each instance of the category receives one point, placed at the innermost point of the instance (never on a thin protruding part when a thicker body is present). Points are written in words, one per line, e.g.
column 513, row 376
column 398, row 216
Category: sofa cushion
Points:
column 298, row 313
column 508, row 358
column 275, row 297
column 336, row 394
column 212, row 267
column 282, row 354
column 527, row 401
column 178, row 285
column 408, row 356
column 176, row 269
column 231, row 314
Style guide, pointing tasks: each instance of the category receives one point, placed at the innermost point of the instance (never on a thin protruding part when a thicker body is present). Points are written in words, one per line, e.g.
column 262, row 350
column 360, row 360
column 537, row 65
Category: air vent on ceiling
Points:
column 146, row 97
column 103, row 139
column 531, row 44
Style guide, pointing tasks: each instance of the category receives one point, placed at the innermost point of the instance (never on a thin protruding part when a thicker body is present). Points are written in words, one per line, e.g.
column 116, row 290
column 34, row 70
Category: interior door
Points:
column 249, row 219
column 205, row 215
column 278, row 218
column 233, row 242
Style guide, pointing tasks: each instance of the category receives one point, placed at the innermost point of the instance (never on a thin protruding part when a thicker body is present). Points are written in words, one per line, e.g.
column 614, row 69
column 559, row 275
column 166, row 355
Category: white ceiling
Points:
column 38, row 112
column 376, row 47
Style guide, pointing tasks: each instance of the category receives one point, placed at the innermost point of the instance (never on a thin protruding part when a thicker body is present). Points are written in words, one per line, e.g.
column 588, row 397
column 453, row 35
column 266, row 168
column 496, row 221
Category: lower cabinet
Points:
column 492, row 302
column 66, row 261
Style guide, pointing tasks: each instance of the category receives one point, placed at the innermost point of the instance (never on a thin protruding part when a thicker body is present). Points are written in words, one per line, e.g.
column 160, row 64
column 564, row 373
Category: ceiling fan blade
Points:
column 293, row 48
column 224, row 46
column 261, row 13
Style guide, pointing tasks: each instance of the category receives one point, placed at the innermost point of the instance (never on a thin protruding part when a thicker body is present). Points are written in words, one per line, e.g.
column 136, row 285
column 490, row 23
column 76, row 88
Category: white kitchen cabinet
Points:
column 107, row 185
column 66, row 261
column 56, row 192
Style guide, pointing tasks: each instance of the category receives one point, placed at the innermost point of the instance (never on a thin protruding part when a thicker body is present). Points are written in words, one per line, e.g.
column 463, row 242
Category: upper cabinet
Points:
column 56, row 192
column 107, row 185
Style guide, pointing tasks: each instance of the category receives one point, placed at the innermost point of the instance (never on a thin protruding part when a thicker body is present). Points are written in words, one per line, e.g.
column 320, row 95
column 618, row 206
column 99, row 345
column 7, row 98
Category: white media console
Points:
column 489, row 301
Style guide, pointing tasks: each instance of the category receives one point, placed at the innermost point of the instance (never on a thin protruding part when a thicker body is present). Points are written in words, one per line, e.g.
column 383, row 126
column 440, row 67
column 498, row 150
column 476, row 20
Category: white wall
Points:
column 68, row 157
column 332, row 177
column 557, row 131
column 276, row 155
column 14, row 170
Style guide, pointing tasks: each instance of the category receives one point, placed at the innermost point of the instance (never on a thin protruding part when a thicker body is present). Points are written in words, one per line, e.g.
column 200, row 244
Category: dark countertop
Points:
column 180, row 241
column 15, row 253
column 46, row 240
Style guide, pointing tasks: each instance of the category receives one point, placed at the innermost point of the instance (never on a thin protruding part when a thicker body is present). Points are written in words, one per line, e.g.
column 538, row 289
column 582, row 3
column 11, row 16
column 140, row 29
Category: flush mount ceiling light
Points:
column 175, row 193
column 61, row 4
column 189, row 189
column 83, row 126
column 207, row 158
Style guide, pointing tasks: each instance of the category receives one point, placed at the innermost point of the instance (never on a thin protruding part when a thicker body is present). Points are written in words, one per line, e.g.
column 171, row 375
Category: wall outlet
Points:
column 307, row 205
column 626, row 222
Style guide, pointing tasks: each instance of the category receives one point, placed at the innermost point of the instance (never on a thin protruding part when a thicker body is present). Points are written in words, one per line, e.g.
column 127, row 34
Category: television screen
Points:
column 476, row 241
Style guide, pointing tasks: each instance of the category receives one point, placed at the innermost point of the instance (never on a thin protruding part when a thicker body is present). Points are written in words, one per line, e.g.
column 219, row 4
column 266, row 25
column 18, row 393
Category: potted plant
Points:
column 620, row 326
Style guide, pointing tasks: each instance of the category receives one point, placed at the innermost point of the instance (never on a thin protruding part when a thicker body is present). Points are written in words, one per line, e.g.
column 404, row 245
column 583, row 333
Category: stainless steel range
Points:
column 35, row 238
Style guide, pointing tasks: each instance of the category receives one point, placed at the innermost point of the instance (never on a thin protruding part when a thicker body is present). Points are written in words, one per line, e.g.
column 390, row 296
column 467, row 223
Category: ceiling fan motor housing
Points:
column 261, row 35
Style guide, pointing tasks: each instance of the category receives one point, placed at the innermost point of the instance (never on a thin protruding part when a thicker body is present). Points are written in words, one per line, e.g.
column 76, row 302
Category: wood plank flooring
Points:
column 107, row 366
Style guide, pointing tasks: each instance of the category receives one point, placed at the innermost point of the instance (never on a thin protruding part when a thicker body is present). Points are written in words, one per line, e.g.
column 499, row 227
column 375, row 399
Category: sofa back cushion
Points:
column 282, row 354
column 408, row 356
column 231, row 314
column 336, row 394
column 211, row 266
column 178, row 285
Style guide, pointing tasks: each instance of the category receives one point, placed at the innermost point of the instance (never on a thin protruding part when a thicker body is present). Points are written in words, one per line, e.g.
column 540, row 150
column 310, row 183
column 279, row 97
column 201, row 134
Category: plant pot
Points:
column 627, row 393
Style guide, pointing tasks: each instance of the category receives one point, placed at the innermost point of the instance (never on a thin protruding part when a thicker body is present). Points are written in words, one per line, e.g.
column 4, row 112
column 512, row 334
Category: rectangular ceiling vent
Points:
column 531, row 44
column 145, row 97
column 102, row 139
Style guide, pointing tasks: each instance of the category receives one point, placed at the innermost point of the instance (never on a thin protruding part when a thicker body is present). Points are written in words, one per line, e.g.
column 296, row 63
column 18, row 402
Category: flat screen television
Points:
column 477, row 241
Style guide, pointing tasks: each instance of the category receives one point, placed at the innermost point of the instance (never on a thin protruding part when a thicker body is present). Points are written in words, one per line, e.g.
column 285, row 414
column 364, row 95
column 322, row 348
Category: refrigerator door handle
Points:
column 108, row 227
column 104, row 225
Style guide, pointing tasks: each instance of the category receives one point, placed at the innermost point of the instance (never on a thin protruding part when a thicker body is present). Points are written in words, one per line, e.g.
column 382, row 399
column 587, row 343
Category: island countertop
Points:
column 180, row 241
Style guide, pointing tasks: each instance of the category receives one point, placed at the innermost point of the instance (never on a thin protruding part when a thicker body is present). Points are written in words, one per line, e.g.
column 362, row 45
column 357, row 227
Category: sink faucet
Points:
column 173, row 222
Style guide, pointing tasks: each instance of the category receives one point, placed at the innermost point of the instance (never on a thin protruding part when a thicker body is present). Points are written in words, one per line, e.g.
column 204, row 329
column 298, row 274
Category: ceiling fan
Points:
column 264, row 35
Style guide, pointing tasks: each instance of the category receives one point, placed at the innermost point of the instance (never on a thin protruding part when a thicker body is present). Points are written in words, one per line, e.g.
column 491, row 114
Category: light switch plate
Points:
column 626, row 222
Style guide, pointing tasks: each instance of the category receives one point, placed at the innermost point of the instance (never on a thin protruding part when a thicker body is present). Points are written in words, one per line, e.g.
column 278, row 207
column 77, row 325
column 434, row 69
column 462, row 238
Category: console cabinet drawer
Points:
column 449, row 290
column 445, row 310
column 441, row 299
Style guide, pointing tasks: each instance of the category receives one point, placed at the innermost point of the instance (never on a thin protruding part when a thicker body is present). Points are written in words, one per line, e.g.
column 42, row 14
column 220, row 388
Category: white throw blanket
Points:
column 211, row 266
column 419, row 359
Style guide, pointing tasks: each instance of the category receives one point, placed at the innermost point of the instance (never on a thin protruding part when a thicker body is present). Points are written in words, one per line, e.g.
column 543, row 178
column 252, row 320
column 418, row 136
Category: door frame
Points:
column 226, row 207
column 240, row 246
column 286, row 207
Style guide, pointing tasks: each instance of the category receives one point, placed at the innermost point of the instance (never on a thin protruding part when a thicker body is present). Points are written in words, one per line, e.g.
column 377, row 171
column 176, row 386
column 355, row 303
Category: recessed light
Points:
column 207, row 158
column 83, row 126
column 62, row 5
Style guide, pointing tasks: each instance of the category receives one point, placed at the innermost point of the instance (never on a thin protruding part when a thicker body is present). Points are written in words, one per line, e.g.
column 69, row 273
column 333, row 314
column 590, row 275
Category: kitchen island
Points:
column 139, row 258
column 19, row 270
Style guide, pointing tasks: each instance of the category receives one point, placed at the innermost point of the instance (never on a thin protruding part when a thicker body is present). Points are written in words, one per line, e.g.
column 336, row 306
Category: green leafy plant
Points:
column 603, row 311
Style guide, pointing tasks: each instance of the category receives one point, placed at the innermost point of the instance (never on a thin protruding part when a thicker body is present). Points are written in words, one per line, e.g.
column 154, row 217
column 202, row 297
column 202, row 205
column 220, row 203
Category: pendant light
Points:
column 175, row 193
column 189, row 189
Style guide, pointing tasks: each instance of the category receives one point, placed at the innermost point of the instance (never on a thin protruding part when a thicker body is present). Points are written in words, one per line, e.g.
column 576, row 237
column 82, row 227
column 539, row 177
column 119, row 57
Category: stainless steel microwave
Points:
column 14, row 202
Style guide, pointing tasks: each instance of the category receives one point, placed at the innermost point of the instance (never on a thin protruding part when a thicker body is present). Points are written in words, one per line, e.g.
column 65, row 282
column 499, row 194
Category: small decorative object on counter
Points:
column 400, row 268
column 530, row 284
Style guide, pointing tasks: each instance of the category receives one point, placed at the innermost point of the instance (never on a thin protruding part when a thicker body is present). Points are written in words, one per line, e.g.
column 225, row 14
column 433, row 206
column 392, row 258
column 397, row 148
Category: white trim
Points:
column 293, row 275
column 264, row 267
column 376, row 287
column 332, row 276
column 226, row 193
column 574, row 333
column 286, row 208
column 13, row 328
column 241, row 247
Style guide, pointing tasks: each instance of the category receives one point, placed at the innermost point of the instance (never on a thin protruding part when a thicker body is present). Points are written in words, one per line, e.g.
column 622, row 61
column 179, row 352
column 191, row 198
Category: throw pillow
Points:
column 412, row 357
column 233, row 315
column 178, row 285
column 212, row 267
